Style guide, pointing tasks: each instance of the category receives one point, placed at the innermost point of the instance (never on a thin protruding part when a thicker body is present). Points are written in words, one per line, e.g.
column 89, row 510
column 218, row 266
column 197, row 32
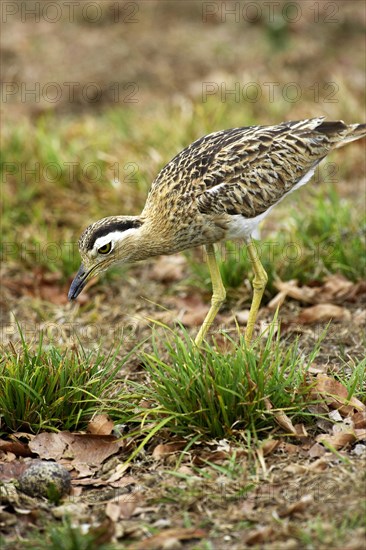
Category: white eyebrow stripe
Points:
column 113, row 237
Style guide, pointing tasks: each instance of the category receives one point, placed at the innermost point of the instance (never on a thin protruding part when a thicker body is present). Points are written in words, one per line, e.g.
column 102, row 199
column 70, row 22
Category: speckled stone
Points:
column 45, row 479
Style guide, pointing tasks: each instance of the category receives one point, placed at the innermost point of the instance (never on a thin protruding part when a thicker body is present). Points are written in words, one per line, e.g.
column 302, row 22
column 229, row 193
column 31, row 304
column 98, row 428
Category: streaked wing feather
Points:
column 245, row 170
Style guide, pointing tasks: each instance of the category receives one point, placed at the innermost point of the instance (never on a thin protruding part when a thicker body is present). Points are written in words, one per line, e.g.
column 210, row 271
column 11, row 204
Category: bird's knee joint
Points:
column 259, row 283
column 219, row 298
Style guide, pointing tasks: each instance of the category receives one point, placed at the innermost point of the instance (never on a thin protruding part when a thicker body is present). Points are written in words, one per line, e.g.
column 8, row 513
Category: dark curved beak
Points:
column 78, row 283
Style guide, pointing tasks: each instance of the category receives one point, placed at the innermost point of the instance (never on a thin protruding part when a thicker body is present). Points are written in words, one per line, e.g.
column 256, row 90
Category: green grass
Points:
column 208, row 392
column 49, row 389
column 353, row 376
column 214, row 394
column 65, row 536
column 331, row 533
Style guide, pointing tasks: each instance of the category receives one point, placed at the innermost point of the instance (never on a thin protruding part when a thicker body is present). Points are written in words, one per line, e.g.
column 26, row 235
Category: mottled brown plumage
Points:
column 220, row 187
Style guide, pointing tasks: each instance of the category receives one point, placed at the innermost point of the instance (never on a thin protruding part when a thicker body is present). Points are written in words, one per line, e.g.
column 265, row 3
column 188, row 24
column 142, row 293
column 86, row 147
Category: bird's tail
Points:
column 353, row 132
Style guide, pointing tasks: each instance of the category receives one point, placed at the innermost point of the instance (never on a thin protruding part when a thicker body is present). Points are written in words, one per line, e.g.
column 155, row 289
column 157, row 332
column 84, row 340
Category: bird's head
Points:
column 107, row 242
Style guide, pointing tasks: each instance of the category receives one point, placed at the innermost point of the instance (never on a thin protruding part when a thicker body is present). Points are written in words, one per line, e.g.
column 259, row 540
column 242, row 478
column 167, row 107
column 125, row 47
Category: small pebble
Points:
column 45, row 479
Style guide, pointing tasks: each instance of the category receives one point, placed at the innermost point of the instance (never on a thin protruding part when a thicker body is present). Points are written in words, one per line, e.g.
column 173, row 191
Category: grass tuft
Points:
column 206, row 391
column 49, row 389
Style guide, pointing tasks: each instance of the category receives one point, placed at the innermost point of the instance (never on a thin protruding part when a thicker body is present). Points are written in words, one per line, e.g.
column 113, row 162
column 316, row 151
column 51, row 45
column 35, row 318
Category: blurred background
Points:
column 98, row 96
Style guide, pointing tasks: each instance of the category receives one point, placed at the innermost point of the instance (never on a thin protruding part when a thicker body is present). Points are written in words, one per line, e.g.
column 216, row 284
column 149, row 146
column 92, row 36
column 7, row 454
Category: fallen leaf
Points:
column 339, row 440
column 156, row 542
column 301, row 294
column 360, row 435
column 16, row 447
column 322, row 313
column 359, row 420
column 167, row 449
column 297, row 507
column 269, row 445
column 335, row 395
column 122, row 507
column 12, row 470
column 336, row 287
column 118, row 473
column 168, row 269
column 101, row 424
column 319, row 465
column 281, row 418
column 301, row 431
column 85, row 448
column 289, row 448
column 316, row 450
column 257, row 536
column 102, row 533
column 194, row 317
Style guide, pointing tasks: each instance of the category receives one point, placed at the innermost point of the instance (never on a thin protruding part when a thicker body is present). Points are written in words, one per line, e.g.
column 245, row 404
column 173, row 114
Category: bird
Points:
column 219, row 188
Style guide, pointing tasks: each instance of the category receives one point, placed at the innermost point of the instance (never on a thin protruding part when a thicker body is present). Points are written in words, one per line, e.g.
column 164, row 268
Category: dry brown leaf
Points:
column 289, row 448
column 269, row 445
column 360, row 435
column 50, row 445
column 295, row 468
column 301, row 294
column 316, row 450
column 194, row 317
column 211, row 456
column 301, row 431
column 12, row 470
column 101, row 424
column 257, row 536
column 121, row 507
column 335, row 395
column 318, row 369
column 167, row 449
column 359, row 420
column 277, row 301
column 156, row 542
column 321, row 313
column 297, row 507
column 246, row 509
column 16, row 447
column 85, row 481
column 102, row 533
column 83, row 469
column 339, row 440
column 85, row 448
column 336, row 287
column 319, row 465
column 281, row 418
column 118, row 473
column 168, row 269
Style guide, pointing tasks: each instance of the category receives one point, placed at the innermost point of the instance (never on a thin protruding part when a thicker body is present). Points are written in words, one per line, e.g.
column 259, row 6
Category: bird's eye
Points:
column 105, row 249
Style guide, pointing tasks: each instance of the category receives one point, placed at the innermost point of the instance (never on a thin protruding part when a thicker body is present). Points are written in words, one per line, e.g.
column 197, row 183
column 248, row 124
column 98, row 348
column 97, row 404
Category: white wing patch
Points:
column 244, row 228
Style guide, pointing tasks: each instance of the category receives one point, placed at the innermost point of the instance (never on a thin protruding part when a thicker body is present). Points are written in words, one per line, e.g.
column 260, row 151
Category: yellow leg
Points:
column 218, row 294
column 259, row 284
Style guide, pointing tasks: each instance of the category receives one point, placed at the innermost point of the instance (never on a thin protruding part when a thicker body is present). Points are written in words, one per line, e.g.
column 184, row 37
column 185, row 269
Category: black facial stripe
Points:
column 112, row 226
